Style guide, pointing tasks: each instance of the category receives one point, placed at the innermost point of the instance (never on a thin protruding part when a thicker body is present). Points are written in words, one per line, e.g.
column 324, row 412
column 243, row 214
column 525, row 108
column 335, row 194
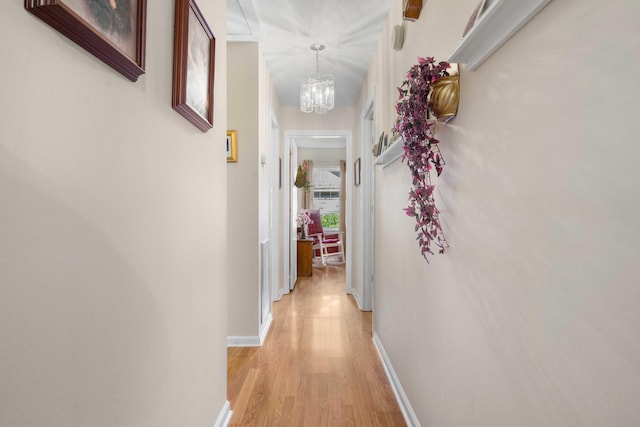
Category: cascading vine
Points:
column 421, row 151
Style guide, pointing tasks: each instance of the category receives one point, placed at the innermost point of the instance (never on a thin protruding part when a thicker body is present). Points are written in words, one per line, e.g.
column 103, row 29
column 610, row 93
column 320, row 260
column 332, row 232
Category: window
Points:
column 326, row 194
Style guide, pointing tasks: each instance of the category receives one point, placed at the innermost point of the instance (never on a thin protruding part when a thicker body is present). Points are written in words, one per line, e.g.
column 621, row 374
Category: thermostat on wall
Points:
column 397, row 37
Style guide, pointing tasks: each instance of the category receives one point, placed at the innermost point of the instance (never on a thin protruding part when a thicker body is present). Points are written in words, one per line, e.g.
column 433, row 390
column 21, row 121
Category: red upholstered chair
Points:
column 327, row 246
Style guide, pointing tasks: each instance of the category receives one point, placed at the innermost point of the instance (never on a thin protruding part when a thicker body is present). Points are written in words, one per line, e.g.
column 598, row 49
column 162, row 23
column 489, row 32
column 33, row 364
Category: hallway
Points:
column 318, row 365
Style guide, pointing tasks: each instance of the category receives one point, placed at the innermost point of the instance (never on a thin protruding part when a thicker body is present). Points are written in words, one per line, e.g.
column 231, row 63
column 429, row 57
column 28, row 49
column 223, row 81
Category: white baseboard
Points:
column 405, row 406
column 356, row 296
column 224, row 418
column 251, row 341
column 242, row 341
column 265, row 328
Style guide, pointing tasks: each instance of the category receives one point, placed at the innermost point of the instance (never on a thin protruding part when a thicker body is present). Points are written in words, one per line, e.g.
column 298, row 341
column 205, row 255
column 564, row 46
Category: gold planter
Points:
column 444, row 97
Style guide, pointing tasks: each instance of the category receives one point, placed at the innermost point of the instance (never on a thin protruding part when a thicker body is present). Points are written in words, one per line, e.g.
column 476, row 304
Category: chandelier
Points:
column 316, row 91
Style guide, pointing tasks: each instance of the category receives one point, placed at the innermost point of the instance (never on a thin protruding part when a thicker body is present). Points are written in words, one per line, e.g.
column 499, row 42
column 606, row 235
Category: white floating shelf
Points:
column 391, row 154
column 501, row 20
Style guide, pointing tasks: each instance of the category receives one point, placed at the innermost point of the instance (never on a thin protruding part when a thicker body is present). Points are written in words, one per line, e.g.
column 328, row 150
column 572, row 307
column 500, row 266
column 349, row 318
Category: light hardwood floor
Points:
column 318, row 365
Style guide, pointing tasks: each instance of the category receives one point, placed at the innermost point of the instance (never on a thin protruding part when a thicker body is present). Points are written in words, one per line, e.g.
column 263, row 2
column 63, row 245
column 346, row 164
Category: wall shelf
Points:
column 391, row 154
column 501, row 20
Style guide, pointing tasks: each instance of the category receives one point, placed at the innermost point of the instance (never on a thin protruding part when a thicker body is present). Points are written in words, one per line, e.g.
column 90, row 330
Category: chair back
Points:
column 316, row 223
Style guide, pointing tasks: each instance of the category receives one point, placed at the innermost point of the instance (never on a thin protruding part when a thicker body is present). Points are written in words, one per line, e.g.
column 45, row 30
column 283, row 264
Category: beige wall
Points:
column 322, row 154
column 250, row 108
column 243, row 189
column 531, row 318
column 112, row 235
column 340, row 118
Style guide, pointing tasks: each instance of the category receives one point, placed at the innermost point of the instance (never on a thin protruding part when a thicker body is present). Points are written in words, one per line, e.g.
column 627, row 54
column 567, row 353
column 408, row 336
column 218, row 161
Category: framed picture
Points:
column 490, row 25
column 380, row 145
column 232, row 147
column 113, row 31
column 279, row 172
column 194, row 51
column 356, row 172
column 481, row 7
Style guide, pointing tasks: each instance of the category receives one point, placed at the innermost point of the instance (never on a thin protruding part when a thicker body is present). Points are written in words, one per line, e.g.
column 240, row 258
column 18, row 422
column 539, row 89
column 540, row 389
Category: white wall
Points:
column 243, row 189
column 323, row 155
column 340, row 118
column 249, row 108
column 112, row 235
column 531, row 318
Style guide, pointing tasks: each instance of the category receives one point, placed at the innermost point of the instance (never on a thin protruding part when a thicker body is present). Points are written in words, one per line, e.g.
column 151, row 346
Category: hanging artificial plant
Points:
column 421, row 151
column 302, row 177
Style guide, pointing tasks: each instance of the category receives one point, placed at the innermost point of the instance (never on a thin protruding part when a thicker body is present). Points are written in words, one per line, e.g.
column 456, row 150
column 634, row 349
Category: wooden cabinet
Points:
column 305, row 257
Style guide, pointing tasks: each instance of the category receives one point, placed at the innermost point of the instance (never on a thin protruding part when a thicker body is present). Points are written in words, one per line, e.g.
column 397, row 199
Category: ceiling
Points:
column 286, row 29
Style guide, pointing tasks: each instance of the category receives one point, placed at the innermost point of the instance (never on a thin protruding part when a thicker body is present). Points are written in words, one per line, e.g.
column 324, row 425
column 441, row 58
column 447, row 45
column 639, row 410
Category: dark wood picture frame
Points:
column 356, row 172
column 411, row 9
column 69, row 20
column 192, row 58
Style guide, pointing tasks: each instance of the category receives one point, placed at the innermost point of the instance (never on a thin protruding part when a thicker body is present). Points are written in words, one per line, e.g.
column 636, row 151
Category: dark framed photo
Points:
column 114, row 31
column 356, row 172
column 232, row 146
column 193, row 66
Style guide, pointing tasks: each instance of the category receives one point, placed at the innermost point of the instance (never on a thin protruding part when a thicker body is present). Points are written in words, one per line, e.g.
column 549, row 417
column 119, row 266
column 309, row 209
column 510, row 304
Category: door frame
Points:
column 275, row 222
column 289, row 142
column 367, row 135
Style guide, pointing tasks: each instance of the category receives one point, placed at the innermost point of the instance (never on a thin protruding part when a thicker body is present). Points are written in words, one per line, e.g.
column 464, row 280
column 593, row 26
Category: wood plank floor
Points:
column 318, row 365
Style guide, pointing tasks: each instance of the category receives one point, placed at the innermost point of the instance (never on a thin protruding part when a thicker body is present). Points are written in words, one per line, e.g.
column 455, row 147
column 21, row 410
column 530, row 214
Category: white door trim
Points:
column 275, row 207
column 368, row 115
column 289, row 140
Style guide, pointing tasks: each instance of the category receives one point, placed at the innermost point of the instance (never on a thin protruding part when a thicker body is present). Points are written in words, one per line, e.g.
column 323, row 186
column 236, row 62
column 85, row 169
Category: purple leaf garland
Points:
column 421, row 151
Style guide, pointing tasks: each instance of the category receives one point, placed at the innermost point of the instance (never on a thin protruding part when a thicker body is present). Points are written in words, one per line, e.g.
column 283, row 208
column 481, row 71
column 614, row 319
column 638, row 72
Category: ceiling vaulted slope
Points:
column 286, row 29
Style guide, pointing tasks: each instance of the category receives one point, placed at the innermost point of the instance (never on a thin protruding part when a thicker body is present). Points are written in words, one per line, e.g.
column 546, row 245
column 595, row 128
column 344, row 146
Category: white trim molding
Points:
column 403, row 401
column 224, row 418
column 243, row 341
column 356, row 296
column 265, row 328
column 391, row 154
column 251, row 341
column 496, row 25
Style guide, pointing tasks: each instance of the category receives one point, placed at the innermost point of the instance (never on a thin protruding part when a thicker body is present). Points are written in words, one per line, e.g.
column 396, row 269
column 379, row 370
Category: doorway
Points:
column 301, row 143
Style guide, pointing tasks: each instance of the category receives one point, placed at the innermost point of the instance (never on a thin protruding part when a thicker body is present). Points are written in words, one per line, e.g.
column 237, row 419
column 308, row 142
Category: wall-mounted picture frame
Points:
column 479, row 10
column 193, row 65
column 490, row 25
column 113, row 31
column 356, row 172
column 232, row 146
column 279, row 172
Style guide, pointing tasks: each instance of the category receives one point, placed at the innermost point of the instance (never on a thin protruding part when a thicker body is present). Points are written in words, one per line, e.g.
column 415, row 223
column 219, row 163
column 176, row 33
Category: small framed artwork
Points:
column 113, row 31
column 279, row 172
column 481, row 7
column 490, row 25
column 232, row 146
column 356, row 172
column 194, row 51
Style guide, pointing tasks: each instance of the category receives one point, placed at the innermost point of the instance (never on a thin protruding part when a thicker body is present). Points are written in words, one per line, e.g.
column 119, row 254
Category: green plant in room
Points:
column 329, row 220
column 421, row 151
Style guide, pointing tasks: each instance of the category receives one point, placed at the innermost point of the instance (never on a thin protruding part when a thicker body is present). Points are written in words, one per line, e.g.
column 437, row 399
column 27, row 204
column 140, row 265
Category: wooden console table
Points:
column 305, row 257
